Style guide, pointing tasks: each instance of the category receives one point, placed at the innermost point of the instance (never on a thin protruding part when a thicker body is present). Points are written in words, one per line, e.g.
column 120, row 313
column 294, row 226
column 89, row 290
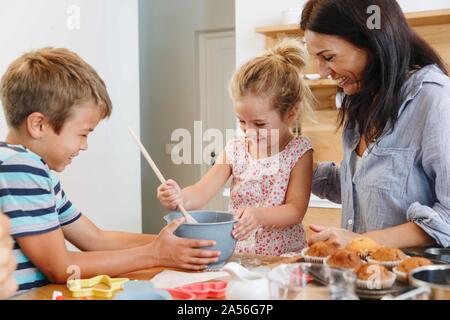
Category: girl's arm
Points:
column 198, row 195
column 294, row 209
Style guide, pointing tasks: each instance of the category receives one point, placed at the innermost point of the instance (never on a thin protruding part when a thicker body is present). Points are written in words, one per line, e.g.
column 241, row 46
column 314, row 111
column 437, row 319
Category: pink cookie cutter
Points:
column 199, row 291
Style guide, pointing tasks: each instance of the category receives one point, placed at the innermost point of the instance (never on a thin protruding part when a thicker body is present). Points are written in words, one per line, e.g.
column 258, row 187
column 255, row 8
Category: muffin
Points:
column 374, row 276
column 363, row 246
column 409, row 264
column 319, row 251
column 345, row 259
column 388, row 257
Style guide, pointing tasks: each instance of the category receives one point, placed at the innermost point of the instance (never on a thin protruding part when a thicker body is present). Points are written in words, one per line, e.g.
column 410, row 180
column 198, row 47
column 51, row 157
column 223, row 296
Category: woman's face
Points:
column 339, row 59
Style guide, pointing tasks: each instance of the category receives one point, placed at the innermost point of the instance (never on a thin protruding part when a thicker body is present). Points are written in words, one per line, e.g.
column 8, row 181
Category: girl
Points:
column 271, row 168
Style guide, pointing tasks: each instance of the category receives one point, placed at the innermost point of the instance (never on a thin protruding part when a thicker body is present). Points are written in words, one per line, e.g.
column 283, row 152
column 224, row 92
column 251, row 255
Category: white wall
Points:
column 169, row 31
column 420, row 5
column 103, row 182
column 256, row 13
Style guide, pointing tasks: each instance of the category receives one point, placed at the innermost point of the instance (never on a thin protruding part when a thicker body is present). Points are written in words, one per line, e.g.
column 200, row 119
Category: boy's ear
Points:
column 36, row 124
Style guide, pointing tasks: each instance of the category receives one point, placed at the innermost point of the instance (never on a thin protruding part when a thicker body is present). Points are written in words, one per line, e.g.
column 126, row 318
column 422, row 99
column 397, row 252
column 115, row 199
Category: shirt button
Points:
column 350, row 222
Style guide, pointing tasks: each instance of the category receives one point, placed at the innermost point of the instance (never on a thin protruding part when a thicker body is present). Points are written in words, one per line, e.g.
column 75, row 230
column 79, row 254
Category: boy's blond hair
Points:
column 277, row 75
column 50, row 81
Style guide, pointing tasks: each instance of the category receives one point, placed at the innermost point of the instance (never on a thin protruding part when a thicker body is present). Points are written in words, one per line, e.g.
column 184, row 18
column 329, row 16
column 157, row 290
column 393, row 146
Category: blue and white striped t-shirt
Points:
column 31, row 195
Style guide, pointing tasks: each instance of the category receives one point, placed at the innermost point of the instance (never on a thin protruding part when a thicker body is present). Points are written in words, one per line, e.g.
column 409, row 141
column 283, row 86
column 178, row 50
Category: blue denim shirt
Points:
column 406, row 175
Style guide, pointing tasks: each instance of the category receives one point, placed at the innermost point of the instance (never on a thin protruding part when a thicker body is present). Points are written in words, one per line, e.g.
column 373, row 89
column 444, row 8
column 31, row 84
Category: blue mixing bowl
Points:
column 212, row 225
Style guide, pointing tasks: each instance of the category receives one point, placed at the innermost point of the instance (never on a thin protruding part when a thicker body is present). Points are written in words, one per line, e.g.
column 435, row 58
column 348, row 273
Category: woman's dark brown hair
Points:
column 394, row 50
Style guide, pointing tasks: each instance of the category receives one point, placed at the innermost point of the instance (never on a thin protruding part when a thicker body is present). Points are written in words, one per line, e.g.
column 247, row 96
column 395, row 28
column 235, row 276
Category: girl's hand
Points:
column 247, row 223
column 169, row 194
column 338, row 236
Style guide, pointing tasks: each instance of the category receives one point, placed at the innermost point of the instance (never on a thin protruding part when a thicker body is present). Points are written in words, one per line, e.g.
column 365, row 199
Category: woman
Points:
column 394, row 180
column 7, row 263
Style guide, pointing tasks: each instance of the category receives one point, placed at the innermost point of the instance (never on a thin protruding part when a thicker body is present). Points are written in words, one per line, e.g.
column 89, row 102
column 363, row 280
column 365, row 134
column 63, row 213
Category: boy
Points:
column 52, row 100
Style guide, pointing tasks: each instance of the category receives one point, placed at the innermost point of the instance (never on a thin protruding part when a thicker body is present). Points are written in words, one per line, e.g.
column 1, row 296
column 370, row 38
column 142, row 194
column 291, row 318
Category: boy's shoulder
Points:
column 17, row 158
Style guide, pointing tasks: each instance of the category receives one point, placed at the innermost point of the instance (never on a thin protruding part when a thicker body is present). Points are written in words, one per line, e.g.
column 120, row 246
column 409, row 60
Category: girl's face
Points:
column 339, row 59
column 260, row 121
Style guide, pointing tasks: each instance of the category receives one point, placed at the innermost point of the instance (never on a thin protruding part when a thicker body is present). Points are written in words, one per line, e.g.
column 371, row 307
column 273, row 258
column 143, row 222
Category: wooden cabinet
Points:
column 433, row 26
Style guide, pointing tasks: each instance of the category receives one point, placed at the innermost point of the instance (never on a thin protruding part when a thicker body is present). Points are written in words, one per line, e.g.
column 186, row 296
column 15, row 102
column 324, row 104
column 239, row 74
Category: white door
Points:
column 217, row 62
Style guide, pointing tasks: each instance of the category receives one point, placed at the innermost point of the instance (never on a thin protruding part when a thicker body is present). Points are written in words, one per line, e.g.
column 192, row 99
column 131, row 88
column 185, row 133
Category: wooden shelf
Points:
column 415, row 19
column 321, row 83
column 428, row 18
column 281, row 28
column 290, row 28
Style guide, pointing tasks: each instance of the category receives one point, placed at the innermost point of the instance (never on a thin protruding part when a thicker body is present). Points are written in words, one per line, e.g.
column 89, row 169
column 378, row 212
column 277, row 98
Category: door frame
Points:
column 203, row 38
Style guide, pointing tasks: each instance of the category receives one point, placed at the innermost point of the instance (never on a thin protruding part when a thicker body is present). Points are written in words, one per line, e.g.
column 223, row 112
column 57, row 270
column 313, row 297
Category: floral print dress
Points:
column 263, row 183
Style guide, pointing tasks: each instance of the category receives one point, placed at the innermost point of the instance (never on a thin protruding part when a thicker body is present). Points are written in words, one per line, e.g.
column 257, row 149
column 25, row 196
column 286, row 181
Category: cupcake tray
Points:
column 399, row 286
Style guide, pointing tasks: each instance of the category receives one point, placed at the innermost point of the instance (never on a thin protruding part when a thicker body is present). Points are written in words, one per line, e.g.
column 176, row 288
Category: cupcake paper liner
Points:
column 312, row 259
column 401, row 276
column 377, row 284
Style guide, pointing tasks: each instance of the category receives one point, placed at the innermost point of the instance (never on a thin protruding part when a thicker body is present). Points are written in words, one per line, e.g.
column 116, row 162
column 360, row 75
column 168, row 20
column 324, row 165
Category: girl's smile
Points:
column 262, row 124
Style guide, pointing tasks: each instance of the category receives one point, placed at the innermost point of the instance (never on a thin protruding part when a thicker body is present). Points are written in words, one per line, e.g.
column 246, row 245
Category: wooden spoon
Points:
column 189, row 218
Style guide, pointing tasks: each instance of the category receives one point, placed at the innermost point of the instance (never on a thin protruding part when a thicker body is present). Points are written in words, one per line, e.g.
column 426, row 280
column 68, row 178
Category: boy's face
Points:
column 58, row 150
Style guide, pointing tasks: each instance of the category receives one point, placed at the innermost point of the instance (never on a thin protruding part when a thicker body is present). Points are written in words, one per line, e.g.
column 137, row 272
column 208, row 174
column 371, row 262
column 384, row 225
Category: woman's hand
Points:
column 246, row 224
column 8, row 285
column 339, row 236
column 171, row 251
column 169, row 194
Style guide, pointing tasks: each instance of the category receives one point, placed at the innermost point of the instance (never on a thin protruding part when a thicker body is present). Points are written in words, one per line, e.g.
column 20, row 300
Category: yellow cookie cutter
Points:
column 80, row 288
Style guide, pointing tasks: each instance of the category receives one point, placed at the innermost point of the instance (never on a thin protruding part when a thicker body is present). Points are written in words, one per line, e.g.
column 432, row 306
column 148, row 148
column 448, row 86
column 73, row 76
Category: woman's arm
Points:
column 434, row 153
column 406, row 235
column 396, row 236
column 292, row 212
column 327, row 181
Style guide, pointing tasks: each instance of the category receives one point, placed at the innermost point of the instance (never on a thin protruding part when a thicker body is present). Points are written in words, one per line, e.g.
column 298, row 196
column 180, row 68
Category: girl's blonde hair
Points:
column 277, row 75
